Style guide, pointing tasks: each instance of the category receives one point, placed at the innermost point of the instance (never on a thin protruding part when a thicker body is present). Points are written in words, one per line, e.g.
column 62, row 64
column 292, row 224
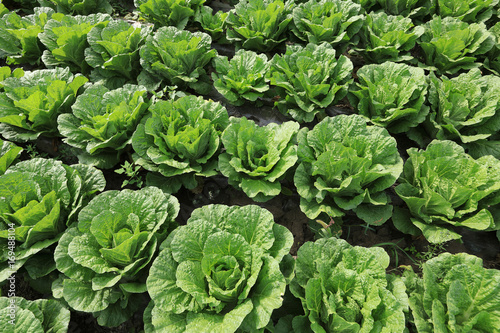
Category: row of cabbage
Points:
column 303, row 82
column 228, row 269
column 181, row 12
column 342, row 164
column 264, row 24
column 447, row 44
column 399, row 97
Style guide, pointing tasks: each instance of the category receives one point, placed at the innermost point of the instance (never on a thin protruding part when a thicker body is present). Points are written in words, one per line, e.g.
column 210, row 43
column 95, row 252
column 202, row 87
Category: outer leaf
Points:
column 8, row 154
column 205, row 322
column 81, row 297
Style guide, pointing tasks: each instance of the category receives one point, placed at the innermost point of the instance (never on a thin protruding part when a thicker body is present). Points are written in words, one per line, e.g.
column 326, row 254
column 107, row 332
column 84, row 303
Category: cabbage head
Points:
column 391, row 95
column 444, row 189
column 465, row 109
column 102, row 122
column 256, row 158
column 454, row 293
column 104, row 259
column 180, row 140
column 39, row 199
column 345, row 288
column 345, row 164
column 219, row 273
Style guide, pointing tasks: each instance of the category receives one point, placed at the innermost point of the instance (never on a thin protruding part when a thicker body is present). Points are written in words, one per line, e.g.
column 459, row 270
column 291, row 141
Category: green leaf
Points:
column 269, row 288
column 283, row 240
column 436, row 234
column 252, row 222
column 105, row 225
column 81, row 297
column 207, row 322
column 84, row 250
column 106, row 280
column 164, row 322
column 9, row 152
column 162, row 286
column 40, row 266
column 124, row 253
column 134, row 288
column 189, row 242
column 191, row 280
column 65, row 263
column 56, row 316
column 374, row 215
column 48, row 226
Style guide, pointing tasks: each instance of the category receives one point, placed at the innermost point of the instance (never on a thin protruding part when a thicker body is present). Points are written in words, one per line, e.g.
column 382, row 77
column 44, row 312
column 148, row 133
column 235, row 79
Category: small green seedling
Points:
column 132, row 172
